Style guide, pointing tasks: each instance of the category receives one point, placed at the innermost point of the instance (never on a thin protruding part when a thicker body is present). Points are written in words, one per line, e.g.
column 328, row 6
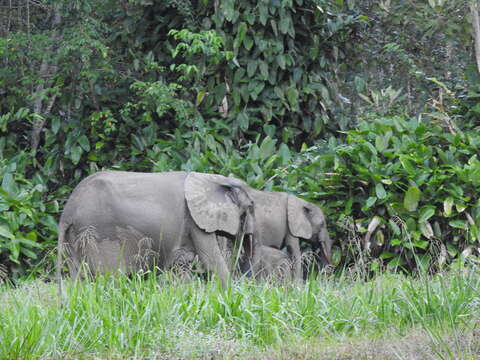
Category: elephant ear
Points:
column 298, row 222
column 212, row 202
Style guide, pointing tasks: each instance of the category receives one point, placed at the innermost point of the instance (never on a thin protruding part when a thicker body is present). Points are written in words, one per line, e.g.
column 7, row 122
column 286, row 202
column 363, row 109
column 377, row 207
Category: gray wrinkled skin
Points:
column 130, row 221
column 273, row 263
column 274, row 225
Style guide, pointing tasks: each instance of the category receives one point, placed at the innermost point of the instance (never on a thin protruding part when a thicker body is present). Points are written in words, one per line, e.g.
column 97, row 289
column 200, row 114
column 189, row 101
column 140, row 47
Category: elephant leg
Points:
column 225, row 249
column 209, row 252
column 293, row 247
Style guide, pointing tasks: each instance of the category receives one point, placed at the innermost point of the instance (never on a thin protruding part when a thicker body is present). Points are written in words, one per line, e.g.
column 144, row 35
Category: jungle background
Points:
column 368, row 108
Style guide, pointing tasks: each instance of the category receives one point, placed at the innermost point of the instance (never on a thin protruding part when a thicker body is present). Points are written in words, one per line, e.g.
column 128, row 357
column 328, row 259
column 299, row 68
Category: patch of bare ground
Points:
column 418, row 345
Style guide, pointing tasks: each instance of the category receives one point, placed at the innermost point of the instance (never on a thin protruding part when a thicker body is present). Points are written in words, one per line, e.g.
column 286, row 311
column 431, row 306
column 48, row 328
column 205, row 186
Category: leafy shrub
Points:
column 27, row 224
column 409, row 188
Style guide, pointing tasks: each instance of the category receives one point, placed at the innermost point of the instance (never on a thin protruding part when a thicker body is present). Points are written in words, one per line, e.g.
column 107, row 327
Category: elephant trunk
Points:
column 325, row 247
column 248, row 240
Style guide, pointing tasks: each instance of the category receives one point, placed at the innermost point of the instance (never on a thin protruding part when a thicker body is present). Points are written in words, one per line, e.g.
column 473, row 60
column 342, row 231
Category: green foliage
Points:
column 27, row 225
column 404, row 43
column 237, row 88
column 272, row 71
column 409, row 183
column 285, row 55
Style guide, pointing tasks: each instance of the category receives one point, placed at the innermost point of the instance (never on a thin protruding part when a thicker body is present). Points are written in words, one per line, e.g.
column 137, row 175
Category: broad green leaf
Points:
column 393, row 225
column 359, row 83
column 255, row 88
column 200, row 96
column 381, row 142
column 426, row 230
column 239, row 74
column 422, row 244
column 243, row 120
column 372, row 148
column 447, row 206
column 426, row 213
column 14, row 253
column 348, row 207
column 281, row 62
column 8, row 184
column 284, row 24
column 423, row 261
column 228, row 8
column 55, row 124
column 248, row 42
column 251, row 67
column 386, row 255
column 380, row 191
column 263, row 69
column 28, row 253
column 267, row 148
column 379, row 238
column 21, row 113
column 412, row 196
column 285, row 154
column 406, row 163
column 263, row 13
column 242, row 31
column 257, row 169
column 84, row 143
column 292, row 96
column 244, row 93
column 5, row 232
column 30, row 243
column 371, row 201
column 458, row 224
column 279, row 92
column 475, row 175
column 76, row 154
column 474, row 232
column 273, row 24
column 395, row 242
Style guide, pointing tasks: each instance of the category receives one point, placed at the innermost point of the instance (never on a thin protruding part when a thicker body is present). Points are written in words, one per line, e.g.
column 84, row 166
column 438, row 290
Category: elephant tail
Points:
column 62, row 230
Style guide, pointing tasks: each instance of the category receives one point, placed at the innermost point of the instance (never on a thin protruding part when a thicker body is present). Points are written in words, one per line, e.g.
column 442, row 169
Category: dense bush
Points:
column 27, row 222
column 238, row 88
column 141, row 85
column 406, row 189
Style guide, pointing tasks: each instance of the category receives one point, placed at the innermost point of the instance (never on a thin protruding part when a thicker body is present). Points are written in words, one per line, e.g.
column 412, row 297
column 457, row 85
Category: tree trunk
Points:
column 474, row 8
column 48, row 69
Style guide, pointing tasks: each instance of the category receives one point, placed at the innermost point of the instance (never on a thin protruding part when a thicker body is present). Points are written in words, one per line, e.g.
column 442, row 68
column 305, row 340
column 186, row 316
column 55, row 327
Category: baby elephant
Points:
column 273, row 263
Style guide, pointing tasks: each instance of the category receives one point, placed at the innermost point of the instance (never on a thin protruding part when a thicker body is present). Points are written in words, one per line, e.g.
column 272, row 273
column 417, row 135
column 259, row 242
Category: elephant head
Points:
column 223, row 205
column 307, row 221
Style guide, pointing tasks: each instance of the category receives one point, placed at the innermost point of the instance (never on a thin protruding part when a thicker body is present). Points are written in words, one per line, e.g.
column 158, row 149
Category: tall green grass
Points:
column 166, row 317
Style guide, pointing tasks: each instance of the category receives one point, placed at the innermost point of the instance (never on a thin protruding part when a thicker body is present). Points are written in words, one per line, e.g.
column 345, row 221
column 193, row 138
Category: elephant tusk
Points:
column 326, row 256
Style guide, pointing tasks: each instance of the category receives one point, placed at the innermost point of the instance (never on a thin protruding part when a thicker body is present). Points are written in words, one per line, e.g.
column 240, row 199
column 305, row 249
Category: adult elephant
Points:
column 282, row 220
column 129, row 221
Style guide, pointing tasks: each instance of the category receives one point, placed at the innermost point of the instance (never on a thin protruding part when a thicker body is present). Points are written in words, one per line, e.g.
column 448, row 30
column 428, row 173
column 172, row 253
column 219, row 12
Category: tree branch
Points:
column 47, row 70
column 476, row 29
